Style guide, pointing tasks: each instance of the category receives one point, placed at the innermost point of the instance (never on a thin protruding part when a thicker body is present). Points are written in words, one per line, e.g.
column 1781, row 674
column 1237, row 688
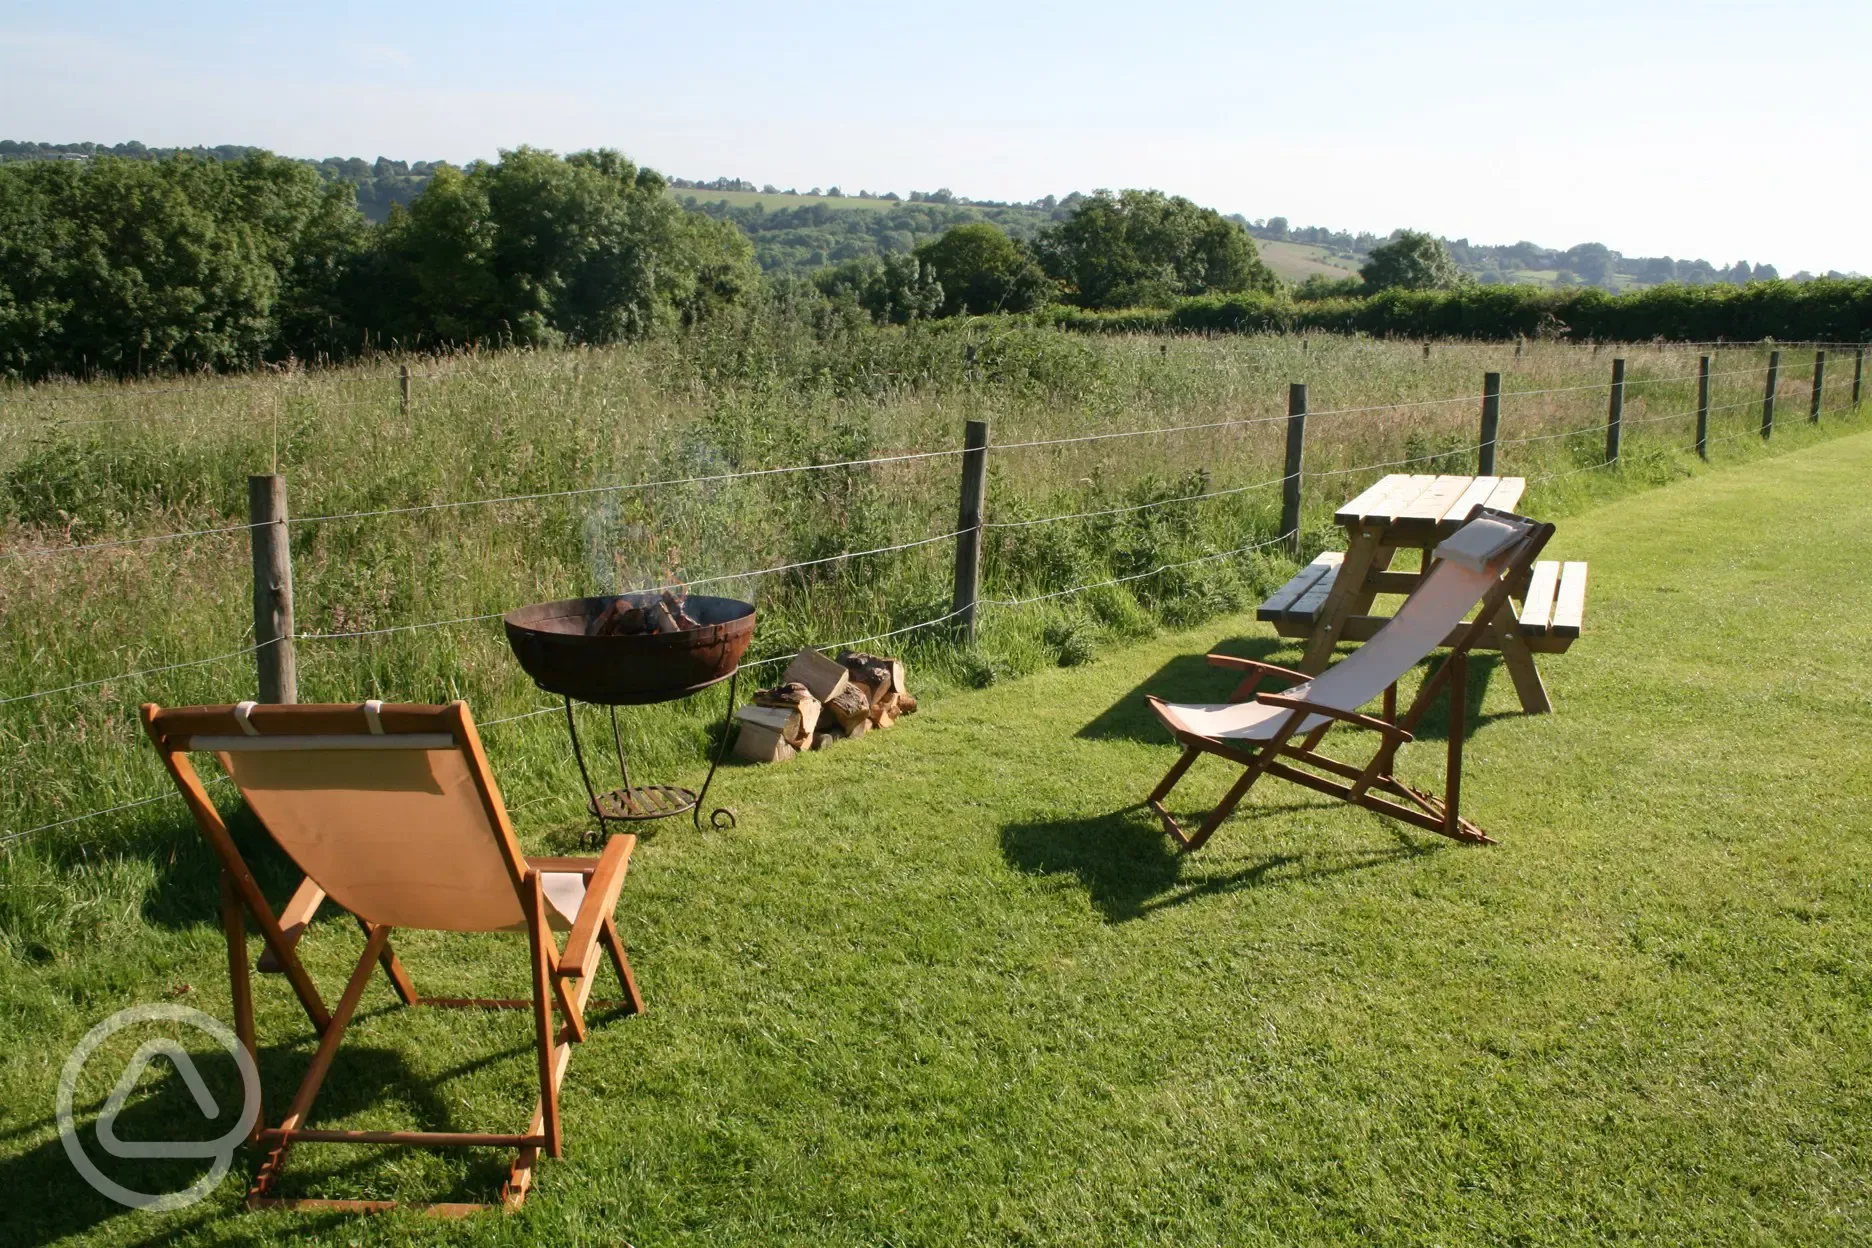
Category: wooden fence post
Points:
column 272, row 589
column 1296, row 458
column 1491, row 423
column 1702, row 442
column 1615, row 412
column 403, row 385
column 969, row 525
column 1426, row 350
column 1819, row 388
column 1768, row 396
column 1858, row 373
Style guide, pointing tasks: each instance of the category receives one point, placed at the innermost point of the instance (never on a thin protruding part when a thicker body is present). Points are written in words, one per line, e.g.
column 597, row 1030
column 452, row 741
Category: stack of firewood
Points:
column 820, row 701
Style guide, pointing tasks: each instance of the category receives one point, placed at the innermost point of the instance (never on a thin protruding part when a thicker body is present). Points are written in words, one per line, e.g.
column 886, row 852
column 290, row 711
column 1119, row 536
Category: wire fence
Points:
column 1289, row 483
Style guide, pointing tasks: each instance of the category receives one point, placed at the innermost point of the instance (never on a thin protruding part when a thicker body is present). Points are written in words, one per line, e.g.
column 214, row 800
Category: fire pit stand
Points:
column 564, row 649
column 635, row 803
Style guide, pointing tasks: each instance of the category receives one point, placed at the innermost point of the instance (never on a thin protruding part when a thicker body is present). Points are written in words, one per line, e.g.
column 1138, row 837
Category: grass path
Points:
column 947, row 986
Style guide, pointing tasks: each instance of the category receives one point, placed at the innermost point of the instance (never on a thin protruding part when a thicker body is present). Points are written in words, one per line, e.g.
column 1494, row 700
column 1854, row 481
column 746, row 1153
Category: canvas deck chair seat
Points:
column 1475, row 567
column 392, row 813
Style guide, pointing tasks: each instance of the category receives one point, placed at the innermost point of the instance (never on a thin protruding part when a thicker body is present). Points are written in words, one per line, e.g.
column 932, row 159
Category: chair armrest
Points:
column 1257, row 672
column 292, row 920
column 601, row 895
column 1354, row 718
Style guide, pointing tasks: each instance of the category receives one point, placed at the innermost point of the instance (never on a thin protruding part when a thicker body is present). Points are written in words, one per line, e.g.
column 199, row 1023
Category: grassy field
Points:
column 399, row 603
column 1295, row 262
column 773, row 203
column 949, row 985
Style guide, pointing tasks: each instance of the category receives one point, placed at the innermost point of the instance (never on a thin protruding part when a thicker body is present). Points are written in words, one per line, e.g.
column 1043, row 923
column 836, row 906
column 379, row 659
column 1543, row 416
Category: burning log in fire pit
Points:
column 624, row 618
column 820, row 701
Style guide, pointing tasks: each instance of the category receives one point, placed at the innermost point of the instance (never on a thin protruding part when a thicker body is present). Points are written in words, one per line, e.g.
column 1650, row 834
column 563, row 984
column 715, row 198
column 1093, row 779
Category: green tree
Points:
column 895, row 290
column 123, row 265
column 982, row 270
column 1411, row 260
column 1145, row 248
column 539, row 250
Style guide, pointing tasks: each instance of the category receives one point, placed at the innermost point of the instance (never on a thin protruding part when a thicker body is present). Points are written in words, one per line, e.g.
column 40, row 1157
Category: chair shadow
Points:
column 1130, row 869
column 1190, row 678
column 362, row 1077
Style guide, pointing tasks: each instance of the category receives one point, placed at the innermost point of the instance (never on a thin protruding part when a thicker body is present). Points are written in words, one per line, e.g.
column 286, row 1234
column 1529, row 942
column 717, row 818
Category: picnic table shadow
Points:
column 1190, row 678
column 362, row 1076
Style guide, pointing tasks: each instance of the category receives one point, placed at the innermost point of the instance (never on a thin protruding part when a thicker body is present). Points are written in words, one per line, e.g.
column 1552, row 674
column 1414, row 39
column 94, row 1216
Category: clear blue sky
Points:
column 1715, row 129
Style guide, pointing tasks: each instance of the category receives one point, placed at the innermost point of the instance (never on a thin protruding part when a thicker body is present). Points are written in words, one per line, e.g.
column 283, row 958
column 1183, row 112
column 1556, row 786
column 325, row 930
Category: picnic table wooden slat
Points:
column 1507, row 494
column 1477, row 495
column 1570, row 605
column 1435, row 499
column 1367, row 502
column 1307, row 606
column 1283, row 598
column 1537, row 606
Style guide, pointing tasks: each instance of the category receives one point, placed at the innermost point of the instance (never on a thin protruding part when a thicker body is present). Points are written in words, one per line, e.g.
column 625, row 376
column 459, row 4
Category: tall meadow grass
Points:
column 570, row 438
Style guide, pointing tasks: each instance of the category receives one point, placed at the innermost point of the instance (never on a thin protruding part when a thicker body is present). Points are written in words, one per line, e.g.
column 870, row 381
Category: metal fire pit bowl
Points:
column 550, row 641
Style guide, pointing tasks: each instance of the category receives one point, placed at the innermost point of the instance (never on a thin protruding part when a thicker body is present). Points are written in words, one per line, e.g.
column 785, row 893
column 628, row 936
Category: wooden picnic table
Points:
column 1330, row 600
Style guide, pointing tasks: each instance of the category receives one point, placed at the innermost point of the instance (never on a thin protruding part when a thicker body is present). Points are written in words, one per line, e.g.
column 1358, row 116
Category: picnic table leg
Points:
column 1519, row 661
column 1362, row 600
column 1361, row 552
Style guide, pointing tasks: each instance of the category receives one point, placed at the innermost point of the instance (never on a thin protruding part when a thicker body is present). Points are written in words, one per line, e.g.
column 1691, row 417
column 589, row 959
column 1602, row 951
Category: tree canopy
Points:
column 982, row 270
column 123, row 265
column 1412, row 260
column 1146, row 249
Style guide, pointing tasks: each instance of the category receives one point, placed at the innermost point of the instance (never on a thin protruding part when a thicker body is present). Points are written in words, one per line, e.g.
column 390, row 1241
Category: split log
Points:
column 793, row 697
column 758, row 744
column 619, row 619
column 782, row 721
column 674, row 605
column 851, row 707
column 823, row 678
column 893, row 679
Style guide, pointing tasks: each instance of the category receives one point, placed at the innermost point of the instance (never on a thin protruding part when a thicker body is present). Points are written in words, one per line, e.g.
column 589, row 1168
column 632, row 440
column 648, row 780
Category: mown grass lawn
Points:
column 948, row 985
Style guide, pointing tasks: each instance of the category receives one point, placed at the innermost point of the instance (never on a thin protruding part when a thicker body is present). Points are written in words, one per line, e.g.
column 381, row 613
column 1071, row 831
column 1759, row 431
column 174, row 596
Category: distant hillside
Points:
column 796, row 231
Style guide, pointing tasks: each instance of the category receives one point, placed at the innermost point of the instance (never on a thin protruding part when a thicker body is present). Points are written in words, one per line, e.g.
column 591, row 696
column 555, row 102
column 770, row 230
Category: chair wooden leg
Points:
column 393, row 971
column 1190, row 755
column 321, row 1061
column 240, row 983
column 614, row 945
column 1230, row 800
column 1459, row 709
column 543, row 991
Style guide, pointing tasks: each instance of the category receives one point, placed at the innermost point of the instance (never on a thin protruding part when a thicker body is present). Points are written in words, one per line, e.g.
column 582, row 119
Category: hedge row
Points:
column 1828, row 310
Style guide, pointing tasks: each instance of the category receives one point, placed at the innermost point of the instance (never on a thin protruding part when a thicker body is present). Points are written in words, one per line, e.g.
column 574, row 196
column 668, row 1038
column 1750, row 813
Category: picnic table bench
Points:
column 1330, row 600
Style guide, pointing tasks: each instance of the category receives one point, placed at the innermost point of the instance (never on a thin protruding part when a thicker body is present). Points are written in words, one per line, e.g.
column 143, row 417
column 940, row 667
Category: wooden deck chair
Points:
column 1478, row 565
column 391, row 811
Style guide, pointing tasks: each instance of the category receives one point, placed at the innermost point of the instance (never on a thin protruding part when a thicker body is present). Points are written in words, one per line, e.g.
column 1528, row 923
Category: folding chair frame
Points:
column 1372, row 786
column 564, row 976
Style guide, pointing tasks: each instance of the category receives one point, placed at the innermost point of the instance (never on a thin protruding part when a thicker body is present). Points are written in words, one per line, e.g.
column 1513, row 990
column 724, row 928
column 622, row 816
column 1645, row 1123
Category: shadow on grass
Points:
column 1129, row 867
column 1190, row 678
column 60, row 1203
